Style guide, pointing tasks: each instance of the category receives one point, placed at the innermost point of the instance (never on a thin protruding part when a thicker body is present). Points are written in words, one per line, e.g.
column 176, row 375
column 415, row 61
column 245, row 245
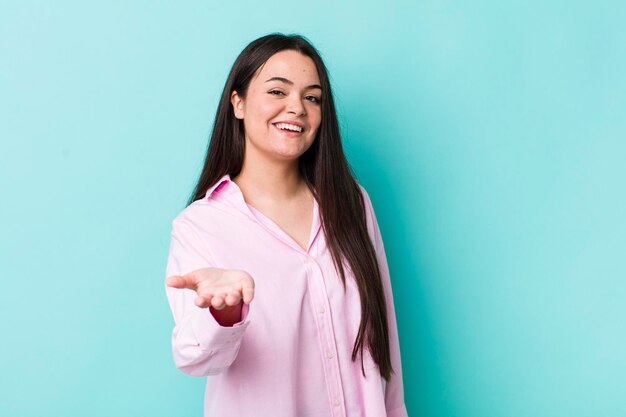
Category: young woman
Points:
column 277, row 276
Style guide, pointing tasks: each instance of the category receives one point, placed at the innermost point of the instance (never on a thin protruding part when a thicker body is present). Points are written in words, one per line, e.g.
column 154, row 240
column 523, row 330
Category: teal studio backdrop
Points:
column 490, row 136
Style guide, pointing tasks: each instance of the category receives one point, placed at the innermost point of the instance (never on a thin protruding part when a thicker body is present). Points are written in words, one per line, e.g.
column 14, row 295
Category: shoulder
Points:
column 367, row 202
column 370, row 216
column 201, row 216
column 210, row 207
column 193, row 212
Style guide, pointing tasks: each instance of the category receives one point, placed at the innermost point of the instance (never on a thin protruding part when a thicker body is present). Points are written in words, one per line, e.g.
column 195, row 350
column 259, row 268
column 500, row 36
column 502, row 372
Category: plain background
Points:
column 490, row 136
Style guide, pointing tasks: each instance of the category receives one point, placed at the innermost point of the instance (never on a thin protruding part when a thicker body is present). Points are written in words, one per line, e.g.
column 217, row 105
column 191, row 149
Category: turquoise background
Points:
column 490, row 136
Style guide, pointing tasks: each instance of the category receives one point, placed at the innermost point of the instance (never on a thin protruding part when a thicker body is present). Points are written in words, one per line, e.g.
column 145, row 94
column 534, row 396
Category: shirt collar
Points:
column 219, row 185
column 237, row 198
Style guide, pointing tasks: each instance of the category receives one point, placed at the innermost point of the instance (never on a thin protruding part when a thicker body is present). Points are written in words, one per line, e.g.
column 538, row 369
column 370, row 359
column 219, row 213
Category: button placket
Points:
column 328, row 344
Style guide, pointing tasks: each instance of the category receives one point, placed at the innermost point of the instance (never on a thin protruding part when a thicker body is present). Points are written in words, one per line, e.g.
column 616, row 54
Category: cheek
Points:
column 316, row 120
column 259, row 111
column 266, row 109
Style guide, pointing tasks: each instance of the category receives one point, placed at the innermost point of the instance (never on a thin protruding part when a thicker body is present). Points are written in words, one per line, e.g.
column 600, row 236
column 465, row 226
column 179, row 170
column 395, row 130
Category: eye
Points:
column 313, row 99
column 276, row 93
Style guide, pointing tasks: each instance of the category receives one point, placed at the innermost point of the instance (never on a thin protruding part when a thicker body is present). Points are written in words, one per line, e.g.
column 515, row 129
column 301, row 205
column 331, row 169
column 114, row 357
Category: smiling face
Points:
column 281, row 111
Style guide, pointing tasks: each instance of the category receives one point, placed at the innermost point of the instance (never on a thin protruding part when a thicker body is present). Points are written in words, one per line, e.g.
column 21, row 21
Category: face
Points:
column 282, row 108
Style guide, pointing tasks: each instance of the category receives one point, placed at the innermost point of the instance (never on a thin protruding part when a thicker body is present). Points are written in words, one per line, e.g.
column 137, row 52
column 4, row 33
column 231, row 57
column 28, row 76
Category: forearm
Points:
column 200, row 344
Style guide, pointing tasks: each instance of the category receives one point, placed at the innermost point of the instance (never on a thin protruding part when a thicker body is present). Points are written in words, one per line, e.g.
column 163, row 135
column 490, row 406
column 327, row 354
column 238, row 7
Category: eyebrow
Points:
column 286, row 81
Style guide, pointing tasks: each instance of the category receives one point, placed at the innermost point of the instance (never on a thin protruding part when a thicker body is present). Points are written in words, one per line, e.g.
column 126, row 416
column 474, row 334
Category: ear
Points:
column 238, row 104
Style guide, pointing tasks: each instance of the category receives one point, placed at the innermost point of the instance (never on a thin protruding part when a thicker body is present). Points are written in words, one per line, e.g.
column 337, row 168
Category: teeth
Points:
column 288, row 126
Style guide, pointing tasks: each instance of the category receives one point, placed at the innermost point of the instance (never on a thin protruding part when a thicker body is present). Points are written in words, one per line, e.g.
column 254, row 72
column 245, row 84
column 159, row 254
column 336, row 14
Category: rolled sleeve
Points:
column 200, row 346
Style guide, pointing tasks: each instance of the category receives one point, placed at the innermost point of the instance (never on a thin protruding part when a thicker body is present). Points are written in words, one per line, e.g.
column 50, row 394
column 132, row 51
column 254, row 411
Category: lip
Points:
column 291, row 122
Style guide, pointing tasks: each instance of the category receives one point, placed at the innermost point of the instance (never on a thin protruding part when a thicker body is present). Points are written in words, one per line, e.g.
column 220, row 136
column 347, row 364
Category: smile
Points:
column 288, row 126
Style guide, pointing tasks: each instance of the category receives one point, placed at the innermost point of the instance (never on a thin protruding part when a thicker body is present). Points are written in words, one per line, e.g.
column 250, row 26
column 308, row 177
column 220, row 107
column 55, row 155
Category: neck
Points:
column 270, row 181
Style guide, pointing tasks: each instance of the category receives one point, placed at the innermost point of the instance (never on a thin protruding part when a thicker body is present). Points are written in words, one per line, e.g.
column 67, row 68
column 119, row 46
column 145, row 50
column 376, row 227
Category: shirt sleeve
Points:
column 200, row 346
column 394, row 389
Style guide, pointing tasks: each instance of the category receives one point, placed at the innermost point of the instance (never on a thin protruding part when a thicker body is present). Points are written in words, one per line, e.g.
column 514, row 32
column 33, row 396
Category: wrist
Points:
column 228, row 316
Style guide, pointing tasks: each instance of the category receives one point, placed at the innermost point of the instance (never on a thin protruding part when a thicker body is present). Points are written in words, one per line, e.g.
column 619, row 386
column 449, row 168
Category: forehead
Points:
column 289, row 64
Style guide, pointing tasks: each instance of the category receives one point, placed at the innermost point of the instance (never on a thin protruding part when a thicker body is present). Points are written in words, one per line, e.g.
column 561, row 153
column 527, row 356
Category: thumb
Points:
column 178, row 281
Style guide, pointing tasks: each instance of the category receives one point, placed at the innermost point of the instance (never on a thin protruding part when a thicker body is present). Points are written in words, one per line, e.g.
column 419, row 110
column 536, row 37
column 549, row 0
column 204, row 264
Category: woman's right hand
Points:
column 217, row 288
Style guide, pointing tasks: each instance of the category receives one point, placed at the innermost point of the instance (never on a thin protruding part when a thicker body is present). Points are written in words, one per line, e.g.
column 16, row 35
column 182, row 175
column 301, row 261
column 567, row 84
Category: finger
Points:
column 217, row 302
column 202, row 302
column 232, row 299
column 248, row 294
column 178, row 281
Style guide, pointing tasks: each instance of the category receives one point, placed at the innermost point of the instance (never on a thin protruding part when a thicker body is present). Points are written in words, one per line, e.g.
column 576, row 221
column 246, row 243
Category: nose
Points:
column 295, row 106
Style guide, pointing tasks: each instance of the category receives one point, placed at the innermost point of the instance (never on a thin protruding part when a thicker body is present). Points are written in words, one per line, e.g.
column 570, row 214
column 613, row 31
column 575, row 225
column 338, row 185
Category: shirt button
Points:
column 321, row 310
column 337, row 402
column 329, row 354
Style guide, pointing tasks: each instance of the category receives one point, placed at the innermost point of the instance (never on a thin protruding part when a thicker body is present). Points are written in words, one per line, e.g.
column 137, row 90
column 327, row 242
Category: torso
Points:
column 301, row 312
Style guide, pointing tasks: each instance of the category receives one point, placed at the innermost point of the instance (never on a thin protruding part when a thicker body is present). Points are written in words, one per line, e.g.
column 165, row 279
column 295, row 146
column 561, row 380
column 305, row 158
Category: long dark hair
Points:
column 326, row 171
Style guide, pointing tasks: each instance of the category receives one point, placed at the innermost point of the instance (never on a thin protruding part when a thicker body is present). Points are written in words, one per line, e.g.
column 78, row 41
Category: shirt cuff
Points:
column 211, row 335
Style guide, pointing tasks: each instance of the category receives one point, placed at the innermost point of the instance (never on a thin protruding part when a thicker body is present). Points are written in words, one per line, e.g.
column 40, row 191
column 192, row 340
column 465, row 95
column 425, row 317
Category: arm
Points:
column 394, row 389
column 200, row 345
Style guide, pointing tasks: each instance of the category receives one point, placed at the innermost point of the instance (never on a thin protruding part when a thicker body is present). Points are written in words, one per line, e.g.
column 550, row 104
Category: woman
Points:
column 278, row 281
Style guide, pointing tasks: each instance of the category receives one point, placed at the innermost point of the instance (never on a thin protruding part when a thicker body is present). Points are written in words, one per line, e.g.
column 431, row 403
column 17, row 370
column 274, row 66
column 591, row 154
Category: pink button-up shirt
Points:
column 290, row 356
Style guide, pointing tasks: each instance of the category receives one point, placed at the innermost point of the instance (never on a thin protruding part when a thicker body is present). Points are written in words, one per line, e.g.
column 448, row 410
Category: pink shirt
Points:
column 290, row 356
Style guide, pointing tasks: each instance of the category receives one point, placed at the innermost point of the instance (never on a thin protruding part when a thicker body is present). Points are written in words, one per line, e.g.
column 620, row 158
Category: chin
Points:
column 290, row 154
column 289, row 157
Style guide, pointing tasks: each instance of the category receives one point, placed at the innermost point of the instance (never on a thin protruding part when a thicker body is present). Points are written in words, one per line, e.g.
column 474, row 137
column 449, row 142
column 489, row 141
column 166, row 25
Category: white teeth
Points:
column 288, row 126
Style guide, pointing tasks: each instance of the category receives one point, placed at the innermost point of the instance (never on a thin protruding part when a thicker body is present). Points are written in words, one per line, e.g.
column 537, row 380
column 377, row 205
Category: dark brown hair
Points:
column 326, row 171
